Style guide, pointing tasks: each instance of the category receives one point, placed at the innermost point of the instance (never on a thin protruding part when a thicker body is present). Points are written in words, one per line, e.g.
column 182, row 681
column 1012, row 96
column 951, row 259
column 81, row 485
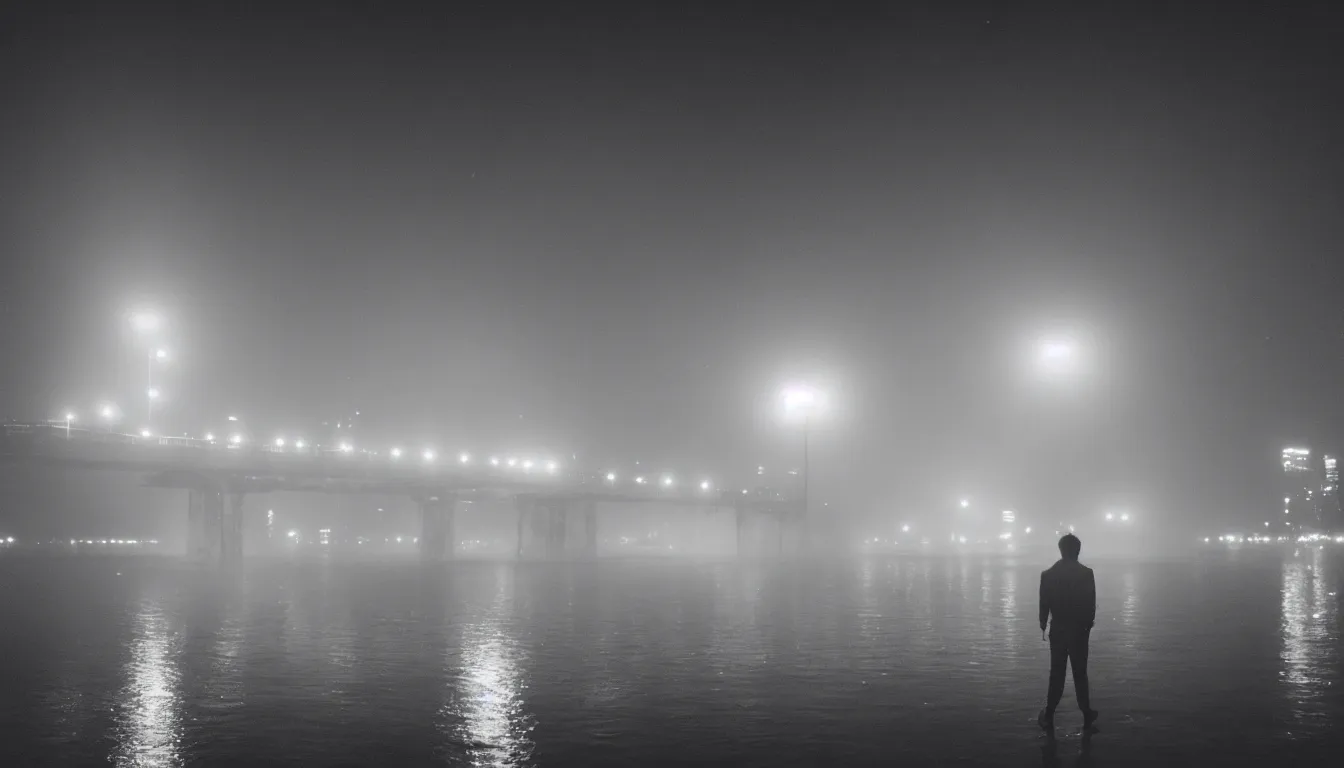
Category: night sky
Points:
column 615, row 232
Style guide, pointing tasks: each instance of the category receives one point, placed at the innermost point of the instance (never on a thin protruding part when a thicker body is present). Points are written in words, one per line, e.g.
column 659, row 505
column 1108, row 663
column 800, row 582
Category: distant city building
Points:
column 1301, row 490
column 1332, row 513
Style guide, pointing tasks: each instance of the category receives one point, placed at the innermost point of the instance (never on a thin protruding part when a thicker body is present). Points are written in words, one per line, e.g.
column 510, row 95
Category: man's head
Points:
column 1070, row 546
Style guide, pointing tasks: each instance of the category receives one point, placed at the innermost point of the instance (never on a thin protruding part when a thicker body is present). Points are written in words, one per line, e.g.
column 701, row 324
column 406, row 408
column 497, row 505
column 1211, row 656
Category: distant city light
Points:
column 667, row 481
column 233, row 418
column 161, row 354
column 512, row 462
column 464, row 458
column 494, row 461
column 279, row 442
column 1124, row 517
column 300, row 444
column 153, row 393
column 611, row 477
column 1027, row 530
column 428, row 456
column 346, row 447
column 396, row 453
column 108, row 412
column 69, row 415
column 965, row 503
column 1056, row 350
column 209, row 437
column 236, row 439
column 528, row 464
column 1109, row 516
column 704, row 485
column 905, row 528
column 292, row 534
column 640, row 481
column 145, row 433
column 552, row 467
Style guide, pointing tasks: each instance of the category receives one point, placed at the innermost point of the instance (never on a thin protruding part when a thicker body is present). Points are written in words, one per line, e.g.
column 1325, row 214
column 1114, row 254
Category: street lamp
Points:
column 965, row 503
column 69, row 417
column 801, row 403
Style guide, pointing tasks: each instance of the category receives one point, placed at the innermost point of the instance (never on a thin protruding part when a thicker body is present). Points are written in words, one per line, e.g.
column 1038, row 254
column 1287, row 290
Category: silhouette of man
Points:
column 1069, row 603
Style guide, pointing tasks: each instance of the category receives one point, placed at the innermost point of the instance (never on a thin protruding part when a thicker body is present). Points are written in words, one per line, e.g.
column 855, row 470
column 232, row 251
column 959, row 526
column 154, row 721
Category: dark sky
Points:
column 615, row 232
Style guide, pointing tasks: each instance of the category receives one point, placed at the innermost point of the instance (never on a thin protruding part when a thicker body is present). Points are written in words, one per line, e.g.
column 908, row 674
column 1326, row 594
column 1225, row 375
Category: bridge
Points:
column 218, row 476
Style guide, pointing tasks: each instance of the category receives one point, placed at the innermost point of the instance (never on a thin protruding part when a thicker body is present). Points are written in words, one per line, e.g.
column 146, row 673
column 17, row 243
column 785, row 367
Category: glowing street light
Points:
column 279, row 442
column 512, row 462
column 527, row 465
column 611, row 477
column 667, row 481
column 145, row 432
column 704, row 485
column 905, row 528
column 346, row 447
column 235, row 439
column 396, row 453
column 552, row 467
column 108, row 412
column 428, row 455
column 1124, row 518
column 639, row 480
column 494, row 461
column 464, row 458
column 965, row 503
column 1110, row 516
column 161, row 354
column 69, row 417
column 300, row 444
column 209, row 437
column 153, row 393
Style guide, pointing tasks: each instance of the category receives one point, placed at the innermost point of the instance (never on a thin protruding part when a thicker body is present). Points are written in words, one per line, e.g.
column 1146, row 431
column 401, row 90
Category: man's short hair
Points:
column 1070, row 546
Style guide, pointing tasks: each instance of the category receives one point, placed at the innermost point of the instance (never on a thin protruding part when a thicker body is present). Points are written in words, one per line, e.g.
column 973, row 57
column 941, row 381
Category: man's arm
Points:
column 1045, row 603
column 1091, row 599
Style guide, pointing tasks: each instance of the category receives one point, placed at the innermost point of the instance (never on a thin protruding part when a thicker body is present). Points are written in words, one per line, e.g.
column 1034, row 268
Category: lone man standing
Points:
column 1069, row 604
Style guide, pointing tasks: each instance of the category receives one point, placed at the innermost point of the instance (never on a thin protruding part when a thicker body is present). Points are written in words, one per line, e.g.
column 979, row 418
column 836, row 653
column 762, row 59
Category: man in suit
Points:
column 1069, row 605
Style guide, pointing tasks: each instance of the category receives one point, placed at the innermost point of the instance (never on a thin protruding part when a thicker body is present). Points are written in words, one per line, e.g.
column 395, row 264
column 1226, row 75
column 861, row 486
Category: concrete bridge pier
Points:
column 438, row 527
column 557, row 513
column 590, row 529
column 214, row 529
column 739, row 518
column 524, row 504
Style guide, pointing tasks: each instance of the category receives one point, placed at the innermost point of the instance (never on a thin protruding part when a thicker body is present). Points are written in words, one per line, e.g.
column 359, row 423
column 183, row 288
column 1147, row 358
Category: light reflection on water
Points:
column 1310, row 648
column 484, row 712
column 149, row 720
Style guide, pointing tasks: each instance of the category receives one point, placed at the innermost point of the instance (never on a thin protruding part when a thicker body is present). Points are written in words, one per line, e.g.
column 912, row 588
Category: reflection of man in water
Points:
column 1069, row 603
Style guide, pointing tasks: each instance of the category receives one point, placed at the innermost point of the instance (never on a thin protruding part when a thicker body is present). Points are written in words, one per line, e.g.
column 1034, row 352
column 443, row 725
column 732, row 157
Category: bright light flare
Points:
column 464, row 458
column 552, row 467
column 704, row 485
column 160, row 354
column 639, row 480
column 396, row 453
column 209, row 437
column 905, row 528
column 145, row 433
column 153, row 393
column 300, row 444
column 108, row 412
column 428, row 455
column 279, row 442
column 965, row 503
column 346, row 447
column 668, row 481
column 236, row 439
column 528, row 464
column 494, row 461
column 69, row 415
column 802, row 401
column 611, row 477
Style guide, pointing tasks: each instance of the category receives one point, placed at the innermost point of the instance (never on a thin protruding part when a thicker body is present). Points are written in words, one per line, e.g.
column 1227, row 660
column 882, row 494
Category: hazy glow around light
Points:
column 107, row 412
column 236, row 439
column 1110, row 516
column 464, row 458
column 965, row 503
column 512, row 462
column 396, row 453
column 552, row 467
column 209, row 437
column 667, row 481
column 428, row 455
column 905, row 528
column 300, row 444
column 494, row 461
column 145, row 321
column 639, row 480
column 704, row 485
column 346, row 447
column 161, row 354
column 528, row 464
column 279, row 442
column 611, row 477
column 145, row 433
column 153, row 393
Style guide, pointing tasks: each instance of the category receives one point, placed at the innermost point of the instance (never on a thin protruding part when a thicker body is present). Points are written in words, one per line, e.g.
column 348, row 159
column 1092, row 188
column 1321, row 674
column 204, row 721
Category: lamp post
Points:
column 801, row 403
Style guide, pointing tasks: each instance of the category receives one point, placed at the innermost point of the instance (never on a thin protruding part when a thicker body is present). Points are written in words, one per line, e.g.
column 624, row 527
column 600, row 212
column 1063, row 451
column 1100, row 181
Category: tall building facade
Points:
column 1301, row 491
column 1332, row 513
